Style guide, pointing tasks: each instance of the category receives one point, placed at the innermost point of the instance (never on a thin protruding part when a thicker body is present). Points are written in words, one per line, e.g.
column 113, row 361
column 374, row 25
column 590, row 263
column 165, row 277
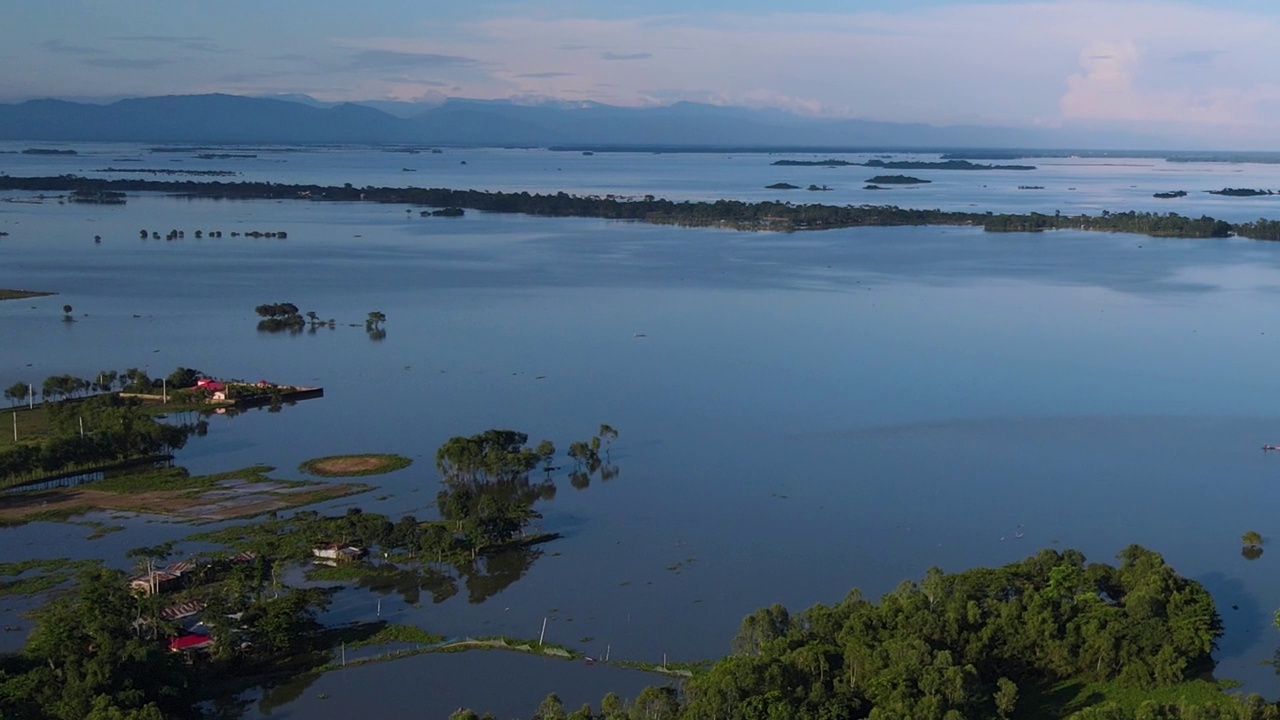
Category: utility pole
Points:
column 544, row 632
column 31, row 397
column 164, row 386
column 82, row 428
column 15, row 427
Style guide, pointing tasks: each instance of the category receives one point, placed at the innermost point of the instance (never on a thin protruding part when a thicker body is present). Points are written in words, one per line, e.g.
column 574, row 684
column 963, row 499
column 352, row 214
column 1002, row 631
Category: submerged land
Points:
column 734, row 214
column 1052, row 636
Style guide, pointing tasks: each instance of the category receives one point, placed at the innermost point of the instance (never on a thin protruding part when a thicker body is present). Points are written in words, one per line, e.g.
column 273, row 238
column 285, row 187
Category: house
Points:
column 211, row 386
column 182, row 610
column 155, row 582
column 190, row 643
column 335, row 551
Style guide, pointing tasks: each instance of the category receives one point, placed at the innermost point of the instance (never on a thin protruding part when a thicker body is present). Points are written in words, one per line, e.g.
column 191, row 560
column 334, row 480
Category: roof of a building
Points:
column 190, row 642
column 159, row 576
column 181, row 610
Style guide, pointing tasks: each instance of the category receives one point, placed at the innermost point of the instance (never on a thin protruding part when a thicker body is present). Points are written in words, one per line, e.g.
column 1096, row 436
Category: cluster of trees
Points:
column 653, row 703
column 98, row 431
column 96, row 196
column 587, row 460
column 967, row 645
column 487, row 495
column 662, row 703
column 1143, row 223
column 721, row 213
column 279, row 316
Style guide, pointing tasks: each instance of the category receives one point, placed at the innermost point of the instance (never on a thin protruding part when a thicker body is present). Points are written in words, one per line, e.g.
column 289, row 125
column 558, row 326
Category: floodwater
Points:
column 799, row 414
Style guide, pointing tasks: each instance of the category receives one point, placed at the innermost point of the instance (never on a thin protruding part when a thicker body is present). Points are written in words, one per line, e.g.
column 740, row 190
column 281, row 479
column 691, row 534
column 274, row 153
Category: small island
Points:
column 48, row 151
column 1168, row 195
column 942, row 165
column 782, row 186
column 1240, row 192
column 829, row 162
column 7, row 294
column 897, row 180
column 96, row 196
column 818, row 188
column 354, row 465
column 946, row 164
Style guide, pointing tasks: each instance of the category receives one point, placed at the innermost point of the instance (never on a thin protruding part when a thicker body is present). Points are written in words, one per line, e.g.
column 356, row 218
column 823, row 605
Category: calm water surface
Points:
column 799, row 414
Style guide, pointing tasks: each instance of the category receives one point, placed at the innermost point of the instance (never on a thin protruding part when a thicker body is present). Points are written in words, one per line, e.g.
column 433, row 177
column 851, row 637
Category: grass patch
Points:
column 398, row 634
column 346, row 572
column 33, row 424
column 172, row 491
column 31, row 577
column 354, row 465
column 100, row 529
column 10, row 294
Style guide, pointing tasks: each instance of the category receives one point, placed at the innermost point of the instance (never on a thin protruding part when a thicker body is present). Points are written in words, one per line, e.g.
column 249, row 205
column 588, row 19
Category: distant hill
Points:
column 233, row 119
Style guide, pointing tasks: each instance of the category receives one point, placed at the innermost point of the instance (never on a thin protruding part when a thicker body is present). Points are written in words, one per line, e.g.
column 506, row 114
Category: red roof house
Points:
column 190, row 642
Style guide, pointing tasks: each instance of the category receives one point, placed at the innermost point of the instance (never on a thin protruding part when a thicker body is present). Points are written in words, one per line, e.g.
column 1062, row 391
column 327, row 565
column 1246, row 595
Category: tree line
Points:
column 63, row 387
column 766, row 215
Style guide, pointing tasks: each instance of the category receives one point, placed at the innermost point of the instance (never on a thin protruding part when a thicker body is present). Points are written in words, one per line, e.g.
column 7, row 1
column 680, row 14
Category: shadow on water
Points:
column 1241, row 614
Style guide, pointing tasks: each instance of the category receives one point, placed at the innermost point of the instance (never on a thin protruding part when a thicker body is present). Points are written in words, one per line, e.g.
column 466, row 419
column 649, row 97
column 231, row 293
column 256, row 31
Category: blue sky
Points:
column 1200, row 69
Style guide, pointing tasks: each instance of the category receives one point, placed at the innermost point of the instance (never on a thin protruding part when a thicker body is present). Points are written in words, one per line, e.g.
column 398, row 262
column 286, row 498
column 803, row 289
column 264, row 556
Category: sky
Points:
column 1194, row 68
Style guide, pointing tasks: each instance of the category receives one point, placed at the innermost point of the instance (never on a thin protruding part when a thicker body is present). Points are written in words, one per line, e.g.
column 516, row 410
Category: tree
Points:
column 1006, row 697
column 611, row 707
column 656, row 703
column 375, row 320
column 17, row 393
column 66, row 313
column 183, row 377
column 546, row 450
column 551, row 708
column 1251, row 539
column 106, row 380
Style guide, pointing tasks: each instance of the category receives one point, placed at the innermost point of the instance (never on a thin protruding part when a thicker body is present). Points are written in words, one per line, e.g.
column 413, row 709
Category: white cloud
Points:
column 1035, row 63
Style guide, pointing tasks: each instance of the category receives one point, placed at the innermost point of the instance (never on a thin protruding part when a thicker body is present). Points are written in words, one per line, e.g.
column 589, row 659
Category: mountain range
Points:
column 232, row 119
